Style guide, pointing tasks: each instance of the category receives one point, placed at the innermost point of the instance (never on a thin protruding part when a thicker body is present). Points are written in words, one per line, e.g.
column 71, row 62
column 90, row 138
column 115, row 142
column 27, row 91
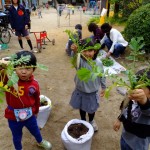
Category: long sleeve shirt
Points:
column 137, row 132
column 29, row 96
column 115, row 37
column 18, row 17
column 90, row 86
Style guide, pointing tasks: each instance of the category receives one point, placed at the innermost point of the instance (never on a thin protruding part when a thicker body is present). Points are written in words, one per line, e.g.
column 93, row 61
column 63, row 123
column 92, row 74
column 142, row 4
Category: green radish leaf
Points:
column 84, row 74
column 42, row 67
column 1, row 101
column 107, row 92
column 13, row 79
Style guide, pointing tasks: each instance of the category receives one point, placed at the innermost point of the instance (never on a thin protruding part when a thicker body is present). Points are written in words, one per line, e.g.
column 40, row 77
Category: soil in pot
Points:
column 43, row 102
column 77, row 129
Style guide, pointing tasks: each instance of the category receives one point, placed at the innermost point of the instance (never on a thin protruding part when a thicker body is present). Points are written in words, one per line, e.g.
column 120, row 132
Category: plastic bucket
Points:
column 44, row 112
column 83, row 142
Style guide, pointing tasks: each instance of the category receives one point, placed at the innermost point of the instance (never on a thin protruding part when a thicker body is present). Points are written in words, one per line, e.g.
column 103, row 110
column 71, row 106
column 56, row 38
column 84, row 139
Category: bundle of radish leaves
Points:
column 8, row 70
column 107, row 62
column 83, row 73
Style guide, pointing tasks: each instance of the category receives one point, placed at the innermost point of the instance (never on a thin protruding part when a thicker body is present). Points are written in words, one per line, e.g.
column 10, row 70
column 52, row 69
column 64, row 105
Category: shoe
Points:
column 20, row 50
column 34, row 51
column 94, row 125
column 117, row 57
column 45, row 144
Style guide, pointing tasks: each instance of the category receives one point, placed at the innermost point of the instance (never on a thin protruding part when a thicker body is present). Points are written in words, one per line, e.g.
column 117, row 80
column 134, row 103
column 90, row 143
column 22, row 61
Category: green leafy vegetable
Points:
column 83, row 73
column 8, row 70
column 107, row 62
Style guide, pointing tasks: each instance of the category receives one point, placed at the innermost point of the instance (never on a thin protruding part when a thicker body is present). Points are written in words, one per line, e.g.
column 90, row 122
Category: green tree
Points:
column 144, row 2
column 138, row 24
column 125, row 6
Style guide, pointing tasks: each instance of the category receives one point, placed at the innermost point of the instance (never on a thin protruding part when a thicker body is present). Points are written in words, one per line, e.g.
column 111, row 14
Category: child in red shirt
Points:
column 23, row 102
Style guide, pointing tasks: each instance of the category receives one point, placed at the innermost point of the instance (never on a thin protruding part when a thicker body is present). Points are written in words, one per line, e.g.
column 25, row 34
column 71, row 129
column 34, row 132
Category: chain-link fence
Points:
column 67, row 13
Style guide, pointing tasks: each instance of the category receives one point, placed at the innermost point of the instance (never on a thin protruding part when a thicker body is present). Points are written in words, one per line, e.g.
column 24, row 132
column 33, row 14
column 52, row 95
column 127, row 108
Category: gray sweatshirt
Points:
column 90, row 86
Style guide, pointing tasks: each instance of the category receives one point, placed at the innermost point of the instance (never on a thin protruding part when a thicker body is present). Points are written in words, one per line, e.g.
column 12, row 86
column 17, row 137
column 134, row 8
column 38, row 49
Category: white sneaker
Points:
column 34, row 51
column 45, row 144
column 94, row 125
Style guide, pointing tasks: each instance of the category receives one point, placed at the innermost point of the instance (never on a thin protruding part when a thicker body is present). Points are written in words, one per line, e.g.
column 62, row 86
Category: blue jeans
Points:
column 17, row 127
column 118, row 48
column 124, row 145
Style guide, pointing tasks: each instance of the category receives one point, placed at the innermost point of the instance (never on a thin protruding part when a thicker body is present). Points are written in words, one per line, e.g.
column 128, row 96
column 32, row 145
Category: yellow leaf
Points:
column 1, row 84
column 6, row 87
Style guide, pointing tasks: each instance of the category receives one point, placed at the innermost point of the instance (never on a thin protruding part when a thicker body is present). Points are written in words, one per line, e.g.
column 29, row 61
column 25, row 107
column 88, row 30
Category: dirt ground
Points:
column 57, row 84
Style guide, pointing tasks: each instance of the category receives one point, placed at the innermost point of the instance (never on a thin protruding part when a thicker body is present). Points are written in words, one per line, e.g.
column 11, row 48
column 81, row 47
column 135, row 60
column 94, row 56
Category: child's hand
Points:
column 117, row 125
column 139, row 96
column 26, row 27
column 74, row 48
column 102, row 93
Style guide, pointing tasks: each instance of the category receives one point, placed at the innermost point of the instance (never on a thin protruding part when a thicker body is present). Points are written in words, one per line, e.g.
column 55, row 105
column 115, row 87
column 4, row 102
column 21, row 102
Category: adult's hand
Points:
column 108, row 54
column 13, row 30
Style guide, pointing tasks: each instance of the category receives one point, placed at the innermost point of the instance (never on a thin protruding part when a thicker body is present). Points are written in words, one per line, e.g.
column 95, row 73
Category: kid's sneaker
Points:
column 94, row 125
column 45, row 144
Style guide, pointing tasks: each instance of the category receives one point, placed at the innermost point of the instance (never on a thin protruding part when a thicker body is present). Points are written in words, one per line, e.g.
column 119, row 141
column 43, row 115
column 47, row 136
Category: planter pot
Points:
column 44, row 112
column 83, row 142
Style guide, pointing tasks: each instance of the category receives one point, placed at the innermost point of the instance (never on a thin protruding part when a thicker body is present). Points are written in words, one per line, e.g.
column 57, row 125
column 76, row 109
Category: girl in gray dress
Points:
column 86, row 95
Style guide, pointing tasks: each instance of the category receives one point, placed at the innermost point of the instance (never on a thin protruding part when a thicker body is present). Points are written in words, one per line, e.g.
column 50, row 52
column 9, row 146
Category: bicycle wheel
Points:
column 5, row 36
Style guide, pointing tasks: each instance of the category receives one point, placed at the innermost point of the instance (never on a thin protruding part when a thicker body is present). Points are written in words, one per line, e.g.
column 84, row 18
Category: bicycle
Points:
column 4, row 29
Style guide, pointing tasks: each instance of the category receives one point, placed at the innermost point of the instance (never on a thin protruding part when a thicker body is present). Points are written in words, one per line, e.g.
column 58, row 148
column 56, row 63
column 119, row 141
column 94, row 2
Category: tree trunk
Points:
column 116, row 10
column 108, row 10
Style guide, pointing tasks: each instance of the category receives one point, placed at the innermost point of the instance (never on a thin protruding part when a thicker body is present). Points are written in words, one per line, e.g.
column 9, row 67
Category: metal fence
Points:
column 65, row 15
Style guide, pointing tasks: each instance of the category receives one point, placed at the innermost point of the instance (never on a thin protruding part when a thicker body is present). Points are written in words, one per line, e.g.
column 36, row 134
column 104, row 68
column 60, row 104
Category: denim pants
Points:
column 17, row 127
column 69, row 47
column 118, row 48
column 124, row 145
